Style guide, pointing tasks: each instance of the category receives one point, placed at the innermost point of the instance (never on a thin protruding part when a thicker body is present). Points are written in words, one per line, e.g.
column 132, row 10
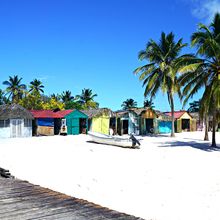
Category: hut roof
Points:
column 177, row 114
column 50, row 113
column 98, row 112
column 163, row 116
column 14, row 111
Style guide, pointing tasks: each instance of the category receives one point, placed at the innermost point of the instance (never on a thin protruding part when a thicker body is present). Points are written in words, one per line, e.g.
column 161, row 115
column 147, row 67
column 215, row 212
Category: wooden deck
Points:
column 22, row 200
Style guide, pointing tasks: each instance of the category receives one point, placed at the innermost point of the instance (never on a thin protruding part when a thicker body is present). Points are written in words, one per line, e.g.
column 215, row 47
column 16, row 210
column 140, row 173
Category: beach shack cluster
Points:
column 16, row 121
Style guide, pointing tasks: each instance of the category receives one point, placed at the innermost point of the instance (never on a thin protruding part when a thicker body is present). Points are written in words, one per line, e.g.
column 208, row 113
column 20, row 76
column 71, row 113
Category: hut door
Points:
column 16, row 127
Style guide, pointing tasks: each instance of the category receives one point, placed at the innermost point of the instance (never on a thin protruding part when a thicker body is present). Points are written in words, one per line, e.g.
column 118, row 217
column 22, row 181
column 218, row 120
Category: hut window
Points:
column 4, row 123
column 27, row 123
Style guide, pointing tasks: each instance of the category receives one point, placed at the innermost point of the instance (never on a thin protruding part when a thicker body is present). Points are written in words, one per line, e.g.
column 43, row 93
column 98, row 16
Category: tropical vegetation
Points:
column 129, row 103
column 160, row 72
column 34, row 97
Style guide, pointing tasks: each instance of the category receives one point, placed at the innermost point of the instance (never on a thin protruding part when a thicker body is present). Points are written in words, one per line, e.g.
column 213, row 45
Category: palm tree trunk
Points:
column 213, row 127
column 172, row 115
column 206, row 138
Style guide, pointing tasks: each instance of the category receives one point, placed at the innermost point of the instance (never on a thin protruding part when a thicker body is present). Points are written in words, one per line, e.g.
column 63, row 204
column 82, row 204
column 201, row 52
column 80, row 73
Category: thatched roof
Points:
column 98, row 112
column 14, row 111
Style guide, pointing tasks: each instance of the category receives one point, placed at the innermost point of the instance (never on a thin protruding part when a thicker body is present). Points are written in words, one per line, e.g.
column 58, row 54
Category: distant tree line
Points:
column 32, row 96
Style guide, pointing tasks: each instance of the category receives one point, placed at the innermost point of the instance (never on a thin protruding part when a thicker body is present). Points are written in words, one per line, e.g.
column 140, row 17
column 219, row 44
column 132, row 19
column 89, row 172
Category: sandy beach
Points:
column 166, row 179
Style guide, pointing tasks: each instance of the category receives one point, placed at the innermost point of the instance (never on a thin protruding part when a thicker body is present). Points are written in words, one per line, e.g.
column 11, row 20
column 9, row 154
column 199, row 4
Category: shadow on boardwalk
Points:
column 205, row 146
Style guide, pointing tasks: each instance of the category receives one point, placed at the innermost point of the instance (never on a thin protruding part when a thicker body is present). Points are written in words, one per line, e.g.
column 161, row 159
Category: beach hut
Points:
column 183, row 121
column 147, row 120
column 15, row 121
column 49, row 122
column 164, row 123
column 76, row 121
column 99, row 119
column 127, row 122
column 44, row 122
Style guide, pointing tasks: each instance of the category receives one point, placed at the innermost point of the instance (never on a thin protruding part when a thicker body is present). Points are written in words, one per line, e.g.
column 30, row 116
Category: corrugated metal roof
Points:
column 50, row 113
column 177, row 114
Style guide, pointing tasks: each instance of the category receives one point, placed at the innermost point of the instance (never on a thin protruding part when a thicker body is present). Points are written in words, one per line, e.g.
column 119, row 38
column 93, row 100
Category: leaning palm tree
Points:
column 160, row 73
column 36, row 86
column 14, row 88
column 205, row 71
column 129, row 103
column 66, row 96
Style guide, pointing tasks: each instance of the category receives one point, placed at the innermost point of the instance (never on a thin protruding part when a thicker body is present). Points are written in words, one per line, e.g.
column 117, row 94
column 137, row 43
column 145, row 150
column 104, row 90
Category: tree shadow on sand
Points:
column 194, row 144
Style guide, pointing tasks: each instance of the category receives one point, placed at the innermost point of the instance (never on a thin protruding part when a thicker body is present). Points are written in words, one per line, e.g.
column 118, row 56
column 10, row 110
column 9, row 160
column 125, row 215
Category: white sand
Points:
column 167, row 179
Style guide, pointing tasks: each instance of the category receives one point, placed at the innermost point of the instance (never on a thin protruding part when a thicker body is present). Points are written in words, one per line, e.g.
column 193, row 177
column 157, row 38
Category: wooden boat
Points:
column 130, row 142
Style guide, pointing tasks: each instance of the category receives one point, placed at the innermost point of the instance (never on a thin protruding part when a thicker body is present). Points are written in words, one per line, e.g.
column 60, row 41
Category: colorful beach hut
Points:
column 15, row 121
column 127, row 122
column 77, row 122
column 183, row 121
column 48, row 122
column 99, row 119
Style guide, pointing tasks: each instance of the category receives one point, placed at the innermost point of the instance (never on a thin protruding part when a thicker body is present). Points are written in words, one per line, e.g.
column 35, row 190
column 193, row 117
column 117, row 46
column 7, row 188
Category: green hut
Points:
column 77, row 122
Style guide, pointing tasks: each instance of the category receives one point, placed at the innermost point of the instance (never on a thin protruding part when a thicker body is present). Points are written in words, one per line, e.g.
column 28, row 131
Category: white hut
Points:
column 15, row 121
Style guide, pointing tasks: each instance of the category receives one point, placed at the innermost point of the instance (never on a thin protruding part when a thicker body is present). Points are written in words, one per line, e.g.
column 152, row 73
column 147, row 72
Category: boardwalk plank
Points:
column 22, row 200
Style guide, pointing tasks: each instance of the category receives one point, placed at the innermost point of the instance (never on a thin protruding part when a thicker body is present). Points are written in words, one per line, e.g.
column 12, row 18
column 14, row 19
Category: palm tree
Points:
column 129, row 103
column 55, row 97
column 14, row 88
column 160, row 73
column 148, row 104
column 66, row 96
column 86, row 99
column 36, row 86
column 205, row 71
column 2, row 97
column 194, row 106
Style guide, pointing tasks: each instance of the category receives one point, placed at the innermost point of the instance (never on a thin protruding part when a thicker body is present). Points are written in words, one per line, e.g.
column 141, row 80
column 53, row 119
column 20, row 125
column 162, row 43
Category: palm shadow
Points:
column 194, row 144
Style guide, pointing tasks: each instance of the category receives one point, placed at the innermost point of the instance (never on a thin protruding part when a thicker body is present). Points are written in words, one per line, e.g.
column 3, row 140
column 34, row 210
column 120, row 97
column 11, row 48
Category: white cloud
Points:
column 205, row 9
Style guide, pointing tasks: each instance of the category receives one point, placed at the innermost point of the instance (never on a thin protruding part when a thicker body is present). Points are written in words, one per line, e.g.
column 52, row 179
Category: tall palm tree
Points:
column 160, row 73
column 14, row 88
column 36, row 86
column 86, row 99
column 205, row 71
column 129, row 103
column 66, row 96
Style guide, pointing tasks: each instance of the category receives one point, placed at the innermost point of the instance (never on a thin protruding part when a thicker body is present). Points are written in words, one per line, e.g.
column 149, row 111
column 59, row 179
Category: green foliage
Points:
column 53, row 104
column 32, row 101
column 36, row 86
column 86, row 99
column 14, row 88
column 66, row 96
column 148, row 104
column 194, row 106
column 73, row 105
column 129, row 103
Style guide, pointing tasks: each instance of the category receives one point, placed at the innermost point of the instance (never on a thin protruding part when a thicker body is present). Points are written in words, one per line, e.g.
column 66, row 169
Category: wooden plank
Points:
column 22, row 200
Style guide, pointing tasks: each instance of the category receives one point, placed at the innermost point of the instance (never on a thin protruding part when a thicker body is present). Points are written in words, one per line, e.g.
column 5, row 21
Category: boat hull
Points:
column 110, row 140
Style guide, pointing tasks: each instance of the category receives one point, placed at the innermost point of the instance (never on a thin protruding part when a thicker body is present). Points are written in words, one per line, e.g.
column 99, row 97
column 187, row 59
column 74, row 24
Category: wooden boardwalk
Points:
column 22, row 200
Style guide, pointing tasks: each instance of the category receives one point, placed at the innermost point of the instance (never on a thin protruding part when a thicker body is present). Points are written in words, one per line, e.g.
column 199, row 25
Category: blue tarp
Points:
column 165, row 126
column 45, row 122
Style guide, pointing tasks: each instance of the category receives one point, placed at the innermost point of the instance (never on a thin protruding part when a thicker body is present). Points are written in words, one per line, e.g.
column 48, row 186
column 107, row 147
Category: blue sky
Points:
column 76, row 44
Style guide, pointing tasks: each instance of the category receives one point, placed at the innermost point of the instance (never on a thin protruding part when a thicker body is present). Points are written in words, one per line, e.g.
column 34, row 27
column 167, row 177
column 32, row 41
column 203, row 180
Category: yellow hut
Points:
column 99, row 120
column 183, row 121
